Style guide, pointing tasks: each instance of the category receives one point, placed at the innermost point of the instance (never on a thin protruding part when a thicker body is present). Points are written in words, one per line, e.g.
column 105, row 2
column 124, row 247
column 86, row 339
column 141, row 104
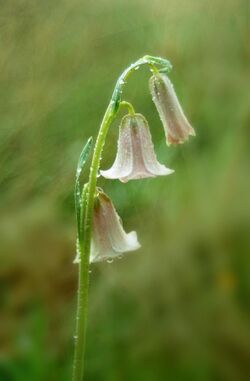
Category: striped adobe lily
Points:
column 109, row 239
column 135, row 157
column 176, row 126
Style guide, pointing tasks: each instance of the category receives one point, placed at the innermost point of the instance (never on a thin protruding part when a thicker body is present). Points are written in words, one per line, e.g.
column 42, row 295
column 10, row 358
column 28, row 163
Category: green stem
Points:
column 129, row 106
column 83, row 283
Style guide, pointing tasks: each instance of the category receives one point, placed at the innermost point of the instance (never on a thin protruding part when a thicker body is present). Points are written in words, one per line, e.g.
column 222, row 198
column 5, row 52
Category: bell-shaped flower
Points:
column 175, row 123
column 109, row 240
column 135, row 157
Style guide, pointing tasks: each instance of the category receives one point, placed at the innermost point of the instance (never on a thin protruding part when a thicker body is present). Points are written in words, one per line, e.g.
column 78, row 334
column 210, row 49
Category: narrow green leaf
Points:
column 83, row 157
column 77, row 193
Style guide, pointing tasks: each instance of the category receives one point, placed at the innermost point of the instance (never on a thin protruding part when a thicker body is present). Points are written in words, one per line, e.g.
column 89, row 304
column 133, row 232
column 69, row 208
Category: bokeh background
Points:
column 178, row 309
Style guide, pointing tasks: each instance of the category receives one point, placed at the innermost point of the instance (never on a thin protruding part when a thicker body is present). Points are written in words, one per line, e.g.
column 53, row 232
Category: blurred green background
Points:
column 178, row 309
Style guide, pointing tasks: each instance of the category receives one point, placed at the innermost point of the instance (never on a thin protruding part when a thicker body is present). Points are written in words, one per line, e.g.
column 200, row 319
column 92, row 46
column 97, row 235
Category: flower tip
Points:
column 76, row 260
column 192, row 131
column 133, row 243
column 170, row 171
column 171, row 140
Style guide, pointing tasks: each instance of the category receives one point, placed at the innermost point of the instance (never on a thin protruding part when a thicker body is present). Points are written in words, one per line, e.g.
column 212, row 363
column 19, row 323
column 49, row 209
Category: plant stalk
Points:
column 85, row 244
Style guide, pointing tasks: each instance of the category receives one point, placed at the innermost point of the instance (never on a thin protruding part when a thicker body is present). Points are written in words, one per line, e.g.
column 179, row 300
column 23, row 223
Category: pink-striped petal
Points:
column 123, row 164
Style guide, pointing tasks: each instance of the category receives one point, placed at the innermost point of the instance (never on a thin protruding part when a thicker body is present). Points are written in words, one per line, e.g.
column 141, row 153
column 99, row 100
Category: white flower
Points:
column 176, row 125
column 135, row 157
column 109, row 239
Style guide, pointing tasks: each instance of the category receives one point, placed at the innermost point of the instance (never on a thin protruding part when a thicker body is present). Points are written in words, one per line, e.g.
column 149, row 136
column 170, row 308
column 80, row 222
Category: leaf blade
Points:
column 77, row 192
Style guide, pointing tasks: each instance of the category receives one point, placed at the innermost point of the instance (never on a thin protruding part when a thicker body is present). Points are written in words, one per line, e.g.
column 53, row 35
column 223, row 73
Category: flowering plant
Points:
column 100, row 234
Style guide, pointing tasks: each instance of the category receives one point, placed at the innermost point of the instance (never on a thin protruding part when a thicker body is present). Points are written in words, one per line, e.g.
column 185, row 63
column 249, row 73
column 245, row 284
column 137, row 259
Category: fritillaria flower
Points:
column 109, row 239
column 176, row 125
column 135, row 157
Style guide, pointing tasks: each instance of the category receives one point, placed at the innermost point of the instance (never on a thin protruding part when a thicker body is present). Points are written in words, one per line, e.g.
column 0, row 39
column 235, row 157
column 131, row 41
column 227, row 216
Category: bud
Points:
column 135, row 157
column 109, row 238
column 176, row 125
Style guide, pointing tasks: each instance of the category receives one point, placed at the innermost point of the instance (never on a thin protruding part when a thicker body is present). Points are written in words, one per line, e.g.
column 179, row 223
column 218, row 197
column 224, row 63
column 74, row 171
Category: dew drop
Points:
column 110, row 260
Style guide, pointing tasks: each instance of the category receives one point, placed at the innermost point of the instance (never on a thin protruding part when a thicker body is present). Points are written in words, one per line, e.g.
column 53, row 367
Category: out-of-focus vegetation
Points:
column 178, row 309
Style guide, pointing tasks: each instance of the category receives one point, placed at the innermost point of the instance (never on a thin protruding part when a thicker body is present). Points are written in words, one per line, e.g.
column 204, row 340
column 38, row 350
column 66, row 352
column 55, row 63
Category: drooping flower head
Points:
column 109, row 239
column 135, row 157
column 176, row 126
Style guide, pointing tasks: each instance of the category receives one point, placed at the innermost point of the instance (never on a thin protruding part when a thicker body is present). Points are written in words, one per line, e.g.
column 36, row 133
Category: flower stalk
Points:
column 87, row 207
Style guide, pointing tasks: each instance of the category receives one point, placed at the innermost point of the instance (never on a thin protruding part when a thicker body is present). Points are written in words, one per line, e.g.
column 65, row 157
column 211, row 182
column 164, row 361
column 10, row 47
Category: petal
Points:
column 139, row 170
column 123, row 162
column 100, row 246
column 149, row 157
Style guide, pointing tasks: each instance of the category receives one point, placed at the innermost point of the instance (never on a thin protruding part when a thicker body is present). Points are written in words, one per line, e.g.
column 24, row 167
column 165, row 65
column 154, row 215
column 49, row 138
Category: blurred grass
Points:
column 179, row 309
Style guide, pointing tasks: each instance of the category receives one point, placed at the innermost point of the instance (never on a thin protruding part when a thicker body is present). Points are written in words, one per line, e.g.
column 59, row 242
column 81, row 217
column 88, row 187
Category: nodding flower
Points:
column 176, row 126
column 109, row 239
column 135, row 157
